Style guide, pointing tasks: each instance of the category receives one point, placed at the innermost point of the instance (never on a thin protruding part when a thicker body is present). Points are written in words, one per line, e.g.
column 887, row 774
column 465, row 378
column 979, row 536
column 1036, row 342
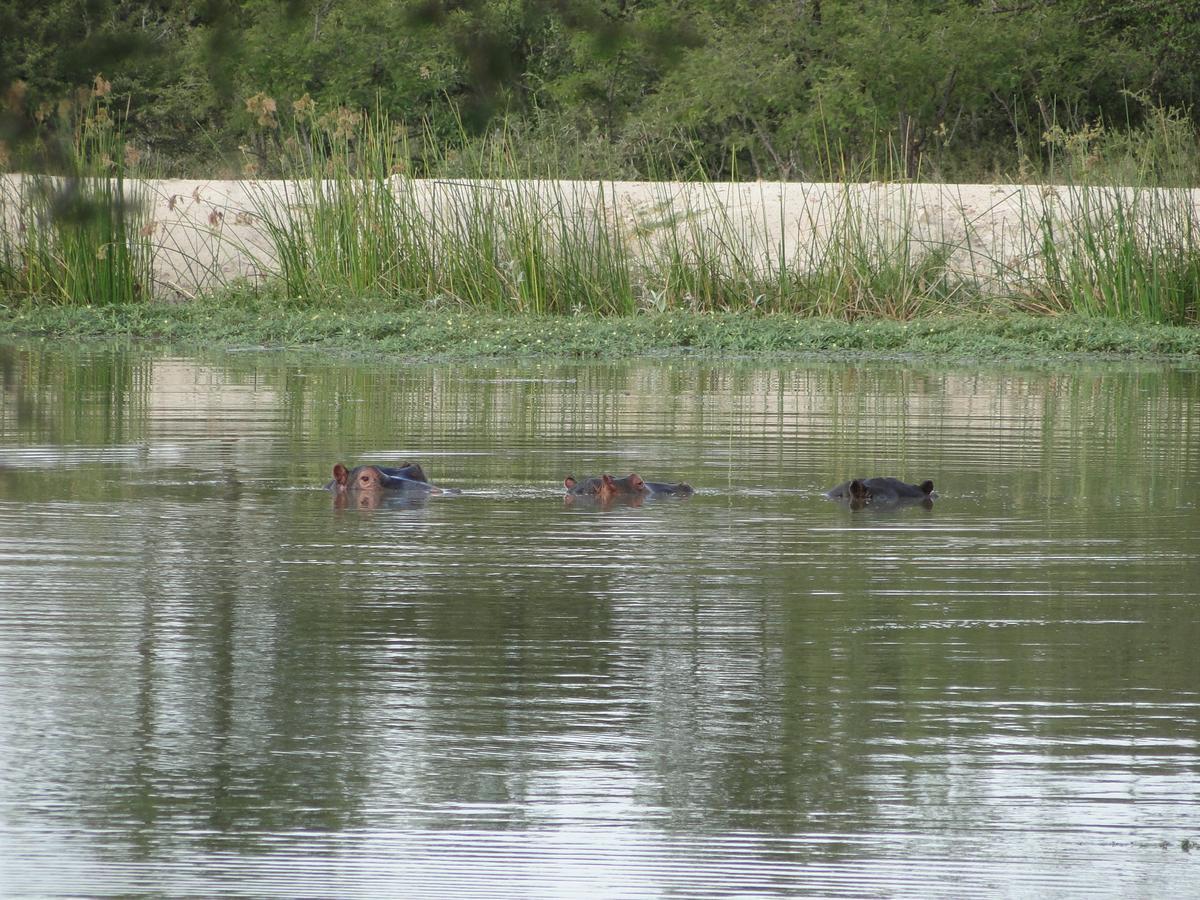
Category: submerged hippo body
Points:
column 880, row 491
column 629, row 487
column 406, row 477
column 670, row 489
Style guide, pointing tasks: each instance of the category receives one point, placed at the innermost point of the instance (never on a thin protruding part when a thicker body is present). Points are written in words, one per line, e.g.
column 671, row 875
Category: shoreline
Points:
column 383, row 330
column 591, row 269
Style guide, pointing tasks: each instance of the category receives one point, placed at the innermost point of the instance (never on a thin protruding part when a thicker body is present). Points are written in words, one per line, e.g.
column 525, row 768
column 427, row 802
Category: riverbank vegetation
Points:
column 350, row 222
column 636, row 90
column 378, row 327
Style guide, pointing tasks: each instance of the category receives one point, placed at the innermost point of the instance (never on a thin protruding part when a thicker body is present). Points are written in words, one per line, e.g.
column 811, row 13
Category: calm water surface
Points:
column 215, row 681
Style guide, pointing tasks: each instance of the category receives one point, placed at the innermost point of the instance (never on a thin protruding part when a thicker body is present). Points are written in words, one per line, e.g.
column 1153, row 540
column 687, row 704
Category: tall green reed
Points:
column 871, row 262
column 333, row 225
column 355, row 221
column 1122, row 253
column 858, row 254
column 81, row 238
column 1161, row 150
column 507, row 240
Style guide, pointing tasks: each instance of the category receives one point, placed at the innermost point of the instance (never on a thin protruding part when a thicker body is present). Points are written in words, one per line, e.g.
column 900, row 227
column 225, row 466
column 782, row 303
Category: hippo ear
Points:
column 341, row 474
column 569, row 482
column 857, row 489
column 636, row 481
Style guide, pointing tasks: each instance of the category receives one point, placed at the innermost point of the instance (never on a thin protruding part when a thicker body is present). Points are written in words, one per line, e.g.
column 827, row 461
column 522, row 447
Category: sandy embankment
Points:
column 208, row 234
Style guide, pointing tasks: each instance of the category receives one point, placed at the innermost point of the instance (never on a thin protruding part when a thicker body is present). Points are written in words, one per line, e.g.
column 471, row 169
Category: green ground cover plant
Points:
column 379, row 327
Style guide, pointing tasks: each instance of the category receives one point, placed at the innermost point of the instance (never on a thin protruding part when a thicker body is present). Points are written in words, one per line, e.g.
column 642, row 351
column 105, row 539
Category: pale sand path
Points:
column 208, row 234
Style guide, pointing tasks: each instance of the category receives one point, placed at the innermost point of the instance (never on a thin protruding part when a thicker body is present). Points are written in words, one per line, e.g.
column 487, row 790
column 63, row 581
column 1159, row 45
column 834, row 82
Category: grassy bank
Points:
column 381, row 327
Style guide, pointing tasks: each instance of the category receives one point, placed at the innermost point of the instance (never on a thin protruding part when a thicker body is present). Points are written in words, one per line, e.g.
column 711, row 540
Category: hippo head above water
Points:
column 586, row 487
column 606, row 485
column 372, row 478
column 628, row 487
column 882, row 491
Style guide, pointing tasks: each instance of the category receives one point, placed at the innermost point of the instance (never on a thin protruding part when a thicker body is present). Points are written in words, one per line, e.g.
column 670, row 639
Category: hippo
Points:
column 630, row 485
column 670, row 489
column 604, row 490
column 882, row 491
column 588, row 487
column 606, row 487
column 405, row 477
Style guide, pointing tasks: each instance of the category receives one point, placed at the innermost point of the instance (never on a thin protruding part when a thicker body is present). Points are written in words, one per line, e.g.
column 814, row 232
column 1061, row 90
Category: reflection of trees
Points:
column 752, row 717
column 67, row 396
column 268, row 661
column 493, row 667
column 180, row 721
column 17, row 408
column 234, row 712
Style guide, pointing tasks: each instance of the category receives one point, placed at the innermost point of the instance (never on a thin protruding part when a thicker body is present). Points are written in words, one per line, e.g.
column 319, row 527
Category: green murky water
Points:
column 215, row 680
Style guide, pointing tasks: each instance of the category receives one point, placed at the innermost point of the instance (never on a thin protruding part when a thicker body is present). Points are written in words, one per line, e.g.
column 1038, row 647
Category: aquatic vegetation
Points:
column 380, row 326
column 1121, row 253
column 352, row 221
column 80, row 238
column 355, row 221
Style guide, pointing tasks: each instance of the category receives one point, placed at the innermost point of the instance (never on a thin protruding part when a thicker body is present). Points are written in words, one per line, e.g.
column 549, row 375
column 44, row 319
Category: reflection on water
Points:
column 217, row 678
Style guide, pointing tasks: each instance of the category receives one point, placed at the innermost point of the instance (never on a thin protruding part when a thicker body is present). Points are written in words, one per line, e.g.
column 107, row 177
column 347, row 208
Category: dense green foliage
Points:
column 956, row 89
